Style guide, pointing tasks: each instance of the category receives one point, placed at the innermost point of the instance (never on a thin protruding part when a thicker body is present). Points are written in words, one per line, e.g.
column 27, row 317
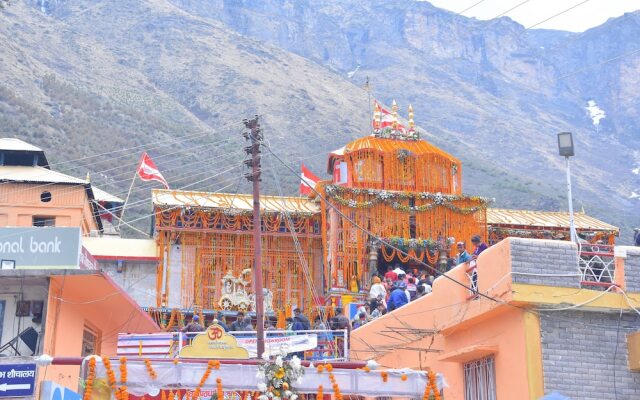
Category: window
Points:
column 44, row 221
column 90, row 344
column 480, row 379
column 45, row 197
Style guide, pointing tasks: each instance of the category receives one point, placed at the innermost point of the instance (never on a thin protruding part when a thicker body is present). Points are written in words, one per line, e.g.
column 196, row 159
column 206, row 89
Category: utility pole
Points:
column 254, row 135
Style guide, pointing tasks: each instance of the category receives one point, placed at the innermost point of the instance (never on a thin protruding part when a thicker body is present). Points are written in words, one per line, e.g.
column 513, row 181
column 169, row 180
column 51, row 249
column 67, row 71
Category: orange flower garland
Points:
column 150, row 370
column 320, row 394
column 385, row 376
column 91, row 375
column 336, row 388
column 320, row 368
column 403, row 377
column 122, row 393
column 431, row 386
column 210, row 365
column 111, row 376
column 219, row 390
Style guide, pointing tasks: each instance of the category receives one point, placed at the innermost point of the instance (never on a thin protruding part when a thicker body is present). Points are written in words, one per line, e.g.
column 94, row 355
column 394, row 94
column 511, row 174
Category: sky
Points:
column 585, row 15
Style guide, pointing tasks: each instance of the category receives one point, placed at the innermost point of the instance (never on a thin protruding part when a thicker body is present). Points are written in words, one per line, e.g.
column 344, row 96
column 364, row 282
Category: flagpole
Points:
column 126, row 200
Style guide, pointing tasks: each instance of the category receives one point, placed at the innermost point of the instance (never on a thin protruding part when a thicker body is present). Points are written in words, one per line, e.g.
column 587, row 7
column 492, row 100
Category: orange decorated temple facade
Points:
column 393, row 200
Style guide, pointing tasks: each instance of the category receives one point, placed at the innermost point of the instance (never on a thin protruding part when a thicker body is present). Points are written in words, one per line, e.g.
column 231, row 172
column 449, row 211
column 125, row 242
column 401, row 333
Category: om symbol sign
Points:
column 214, row 332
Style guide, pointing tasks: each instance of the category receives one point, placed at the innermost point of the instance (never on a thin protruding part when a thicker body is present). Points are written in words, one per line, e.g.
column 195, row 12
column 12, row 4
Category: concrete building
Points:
column 64, row 313
column 131, row 263
column 536, row 324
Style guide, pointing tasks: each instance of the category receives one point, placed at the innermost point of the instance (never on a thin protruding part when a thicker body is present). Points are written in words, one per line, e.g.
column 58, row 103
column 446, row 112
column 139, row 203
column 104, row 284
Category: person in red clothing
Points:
column 390, row 274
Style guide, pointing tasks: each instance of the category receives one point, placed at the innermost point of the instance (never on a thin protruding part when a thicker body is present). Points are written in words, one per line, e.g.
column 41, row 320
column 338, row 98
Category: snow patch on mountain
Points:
column 595, row 112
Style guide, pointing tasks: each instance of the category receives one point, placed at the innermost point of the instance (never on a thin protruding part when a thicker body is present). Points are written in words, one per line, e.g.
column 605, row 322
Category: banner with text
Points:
column 273, row 345
column 45, row 247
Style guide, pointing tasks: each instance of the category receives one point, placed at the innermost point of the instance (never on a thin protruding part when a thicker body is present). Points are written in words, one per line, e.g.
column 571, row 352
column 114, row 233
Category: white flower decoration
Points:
column 262, row 386
column 296, row 363
column 372, row 364
column 279, row 361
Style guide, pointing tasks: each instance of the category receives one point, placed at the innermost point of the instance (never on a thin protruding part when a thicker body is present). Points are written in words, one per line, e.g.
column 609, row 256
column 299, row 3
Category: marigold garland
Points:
column 210, row 365
column 122, row 393
column 320, row 393
column 403, row 377
column 385, row 376
column 111, row 376
column 431, row 387
column 336, row 388
column 91, row 375
column 219, row 390
column 150, row 370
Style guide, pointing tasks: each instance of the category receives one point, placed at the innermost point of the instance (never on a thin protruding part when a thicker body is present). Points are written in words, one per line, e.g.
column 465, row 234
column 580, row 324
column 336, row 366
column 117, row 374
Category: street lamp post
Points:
column 565, row 148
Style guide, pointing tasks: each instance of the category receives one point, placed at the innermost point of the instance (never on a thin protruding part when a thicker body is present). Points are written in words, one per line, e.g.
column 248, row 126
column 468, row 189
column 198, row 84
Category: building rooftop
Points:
column 110, row 248
column 35, row 174
column 17, row 152
column 14, row 144
column 243, row 202
column 545, row 219
column 101, row 195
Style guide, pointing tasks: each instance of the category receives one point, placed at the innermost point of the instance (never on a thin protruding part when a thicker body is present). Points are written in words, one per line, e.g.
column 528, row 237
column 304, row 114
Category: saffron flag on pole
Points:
column 385, row 118
column 147, row 170
column 307, row 181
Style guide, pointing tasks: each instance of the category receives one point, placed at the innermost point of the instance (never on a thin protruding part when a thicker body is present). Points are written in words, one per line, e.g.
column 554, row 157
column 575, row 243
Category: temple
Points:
column 389, row 190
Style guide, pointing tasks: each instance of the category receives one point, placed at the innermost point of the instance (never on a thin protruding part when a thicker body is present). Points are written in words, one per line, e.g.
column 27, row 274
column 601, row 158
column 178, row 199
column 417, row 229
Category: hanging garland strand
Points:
column 391, row 198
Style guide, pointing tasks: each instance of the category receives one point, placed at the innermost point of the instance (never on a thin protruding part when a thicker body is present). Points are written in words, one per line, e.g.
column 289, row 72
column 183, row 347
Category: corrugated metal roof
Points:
column 242, row 202
column 545, row 219
column 101, row 195
column 119, row 248
column 18, row 173
column 13, row 144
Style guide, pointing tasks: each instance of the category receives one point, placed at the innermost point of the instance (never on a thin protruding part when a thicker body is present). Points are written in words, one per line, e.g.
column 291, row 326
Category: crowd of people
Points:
column 398, row 287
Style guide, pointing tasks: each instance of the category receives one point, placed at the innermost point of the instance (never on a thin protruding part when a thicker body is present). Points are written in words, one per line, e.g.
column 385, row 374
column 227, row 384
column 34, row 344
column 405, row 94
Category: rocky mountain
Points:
column 87, row 78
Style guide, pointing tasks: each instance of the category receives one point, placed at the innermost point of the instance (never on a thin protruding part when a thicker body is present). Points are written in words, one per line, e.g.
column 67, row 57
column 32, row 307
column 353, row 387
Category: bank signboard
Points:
column 40, row 247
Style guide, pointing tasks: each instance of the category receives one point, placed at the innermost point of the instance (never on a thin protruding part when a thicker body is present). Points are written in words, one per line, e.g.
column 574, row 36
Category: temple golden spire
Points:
column 88, row 178
column 377, row 117
column 394, row 115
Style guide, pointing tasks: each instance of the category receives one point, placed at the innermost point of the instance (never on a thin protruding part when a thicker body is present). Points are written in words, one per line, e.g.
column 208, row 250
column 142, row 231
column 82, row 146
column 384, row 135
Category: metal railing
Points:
column 311, row 344
column 472, row 274
column 597, row 265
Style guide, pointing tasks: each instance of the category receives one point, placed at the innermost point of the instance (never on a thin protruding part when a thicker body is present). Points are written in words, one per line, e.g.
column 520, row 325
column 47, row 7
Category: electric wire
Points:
column 557, row 15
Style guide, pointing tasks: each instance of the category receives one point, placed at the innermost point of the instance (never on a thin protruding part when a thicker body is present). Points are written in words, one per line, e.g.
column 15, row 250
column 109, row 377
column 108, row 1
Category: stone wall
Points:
column 584, row 356
column 632, row 269
column 544, row 262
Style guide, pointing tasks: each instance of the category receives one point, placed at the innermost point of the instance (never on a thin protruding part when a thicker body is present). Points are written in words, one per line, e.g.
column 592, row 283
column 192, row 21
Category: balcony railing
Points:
column 307, row 344
column 472, row 274
column 597, row 265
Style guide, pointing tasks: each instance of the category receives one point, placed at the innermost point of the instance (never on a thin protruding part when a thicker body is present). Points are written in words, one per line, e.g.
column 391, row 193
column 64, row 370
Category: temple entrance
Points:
column 389, row 257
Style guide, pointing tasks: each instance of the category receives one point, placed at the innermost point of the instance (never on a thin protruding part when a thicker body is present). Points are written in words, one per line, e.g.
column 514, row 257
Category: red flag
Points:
column 147, row 170
column 307, row 181
column 382, row 118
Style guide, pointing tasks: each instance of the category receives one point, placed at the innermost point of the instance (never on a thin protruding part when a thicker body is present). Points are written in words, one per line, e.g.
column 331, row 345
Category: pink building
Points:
column 543, row 318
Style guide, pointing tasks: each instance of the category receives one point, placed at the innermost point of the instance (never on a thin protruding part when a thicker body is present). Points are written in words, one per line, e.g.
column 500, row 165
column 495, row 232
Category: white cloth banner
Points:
column 273, row 345
column 236, row 377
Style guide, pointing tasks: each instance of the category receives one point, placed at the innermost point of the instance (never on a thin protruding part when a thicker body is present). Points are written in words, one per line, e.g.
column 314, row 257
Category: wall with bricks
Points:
column 580, row 358
column 544, row 262
column 632, row 269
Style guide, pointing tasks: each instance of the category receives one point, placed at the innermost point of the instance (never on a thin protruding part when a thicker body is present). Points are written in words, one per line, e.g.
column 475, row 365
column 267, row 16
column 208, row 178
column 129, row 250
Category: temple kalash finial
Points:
column 394, row 115
column 377, row 117
column 412, row 125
